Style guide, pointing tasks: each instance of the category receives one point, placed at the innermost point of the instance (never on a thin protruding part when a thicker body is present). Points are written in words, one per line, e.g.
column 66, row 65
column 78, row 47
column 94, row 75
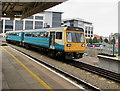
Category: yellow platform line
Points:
column 33, row 74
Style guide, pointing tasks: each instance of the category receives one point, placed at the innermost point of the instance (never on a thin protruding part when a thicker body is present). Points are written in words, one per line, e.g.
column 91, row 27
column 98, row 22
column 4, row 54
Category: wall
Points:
column 56, row 19
column 48, row 19
column 88, row 34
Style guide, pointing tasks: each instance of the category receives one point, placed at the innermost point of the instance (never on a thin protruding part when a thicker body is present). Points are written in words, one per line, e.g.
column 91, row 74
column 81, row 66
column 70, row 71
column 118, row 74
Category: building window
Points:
column 85, row 31
column 86, row 28
column 18, row 25
column 8, row 25
column 39, row 17
column 91, row 32
column 88, row 35
column 88, row 32
column 38, row 24
column 30, row 17
column 28, row 24
column 58, row 35
column 91, row 35
column 91, row 28
column 72, row 23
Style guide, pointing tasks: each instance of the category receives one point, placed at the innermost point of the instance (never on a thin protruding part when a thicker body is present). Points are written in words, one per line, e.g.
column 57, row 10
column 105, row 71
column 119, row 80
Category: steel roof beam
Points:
column 38, row 8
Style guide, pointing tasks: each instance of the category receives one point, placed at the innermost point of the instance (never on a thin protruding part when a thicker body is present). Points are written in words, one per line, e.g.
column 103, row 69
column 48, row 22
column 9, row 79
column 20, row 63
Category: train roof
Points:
column 14, row 31
column 42, row 29
column 47, row 29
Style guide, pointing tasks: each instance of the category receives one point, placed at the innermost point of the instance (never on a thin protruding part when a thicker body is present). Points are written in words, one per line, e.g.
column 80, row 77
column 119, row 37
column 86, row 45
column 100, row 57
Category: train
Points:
column 68, row 42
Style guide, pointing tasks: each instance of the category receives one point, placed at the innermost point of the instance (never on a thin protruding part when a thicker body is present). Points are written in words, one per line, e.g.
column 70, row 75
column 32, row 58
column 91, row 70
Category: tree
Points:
column 112, row 41
column 87, row 40
column 90, row 40
column 106, row 40
column 101, row 40
column 95, row 40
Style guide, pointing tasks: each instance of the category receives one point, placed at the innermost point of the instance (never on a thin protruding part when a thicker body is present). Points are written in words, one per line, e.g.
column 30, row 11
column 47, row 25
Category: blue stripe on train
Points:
column 59, row 47
column 44, row 42
column 15, row 38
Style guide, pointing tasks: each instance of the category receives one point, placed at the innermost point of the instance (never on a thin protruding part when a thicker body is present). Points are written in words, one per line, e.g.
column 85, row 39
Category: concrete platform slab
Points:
column 109, row 63
column 17, row 77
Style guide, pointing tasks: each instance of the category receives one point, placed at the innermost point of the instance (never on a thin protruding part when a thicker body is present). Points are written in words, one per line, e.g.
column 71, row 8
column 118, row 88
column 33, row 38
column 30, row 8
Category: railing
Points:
column 108, row 49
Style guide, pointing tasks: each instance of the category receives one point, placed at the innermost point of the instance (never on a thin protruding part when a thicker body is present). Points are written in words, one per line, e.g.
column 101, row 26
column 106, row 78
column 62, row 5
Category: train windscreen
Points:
column 75, row 29
column 75, row 37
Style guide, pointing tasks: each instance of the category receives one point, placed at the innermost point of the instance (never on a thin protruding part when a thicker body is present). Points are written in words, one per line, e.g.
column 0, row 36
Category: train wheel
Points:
column 52, row 54
column 77, row 56
column 68, row 55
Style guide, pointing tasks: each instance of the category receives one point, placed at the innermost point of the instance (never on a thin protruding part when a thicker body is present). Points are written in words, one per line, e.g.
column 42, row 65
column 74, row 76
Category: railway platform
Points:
column 20, row 72
column 51, row 80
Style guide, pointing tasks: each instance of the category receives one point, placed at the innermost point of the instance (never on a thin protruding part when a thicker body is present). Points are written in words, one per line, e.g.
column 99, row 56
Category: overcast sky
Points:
column 102, row 13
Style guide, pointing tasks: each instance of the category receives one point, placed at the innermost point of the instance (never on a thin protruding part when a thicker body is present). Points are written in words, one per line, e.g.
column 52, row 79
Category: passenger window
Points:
column 41, row 35
column 34, row 35
column 27, row 34
column 58, row 35
column 44, row 35
column 13, row 34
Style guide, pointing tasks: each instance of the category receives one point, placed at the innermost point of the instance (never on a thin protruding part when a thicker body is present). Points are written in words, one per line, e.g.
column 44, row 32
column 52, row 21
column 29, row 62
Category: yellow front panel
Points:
column 75, row 47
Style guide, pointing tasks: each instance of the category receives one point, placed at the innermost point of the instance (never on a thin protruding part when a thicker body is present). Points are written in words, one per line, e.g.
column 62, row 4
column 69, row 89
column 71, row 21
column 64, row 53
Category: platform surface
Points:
column 35, row 76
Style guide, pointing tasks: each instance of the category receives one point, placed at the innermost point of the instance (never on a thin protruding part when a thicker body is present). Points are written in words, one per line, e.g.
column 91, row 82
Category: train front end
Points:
column 75, row 45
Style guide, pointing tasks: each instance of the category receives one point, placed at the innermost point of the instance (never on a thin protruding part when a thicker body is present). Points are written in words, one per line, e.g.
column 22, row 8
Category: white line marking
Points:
column 51, row 70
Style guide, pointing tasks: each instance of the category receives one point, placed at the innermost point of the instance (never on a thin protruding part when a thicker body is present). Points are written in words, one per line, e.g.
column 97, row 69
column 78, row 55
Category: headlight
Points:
column 83, row 45
column 69, row 45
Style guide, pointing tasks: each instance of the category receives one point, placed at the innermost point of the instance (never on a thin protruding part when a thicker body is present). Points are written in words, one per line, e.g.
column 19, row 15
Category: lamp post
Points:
column 113, row 45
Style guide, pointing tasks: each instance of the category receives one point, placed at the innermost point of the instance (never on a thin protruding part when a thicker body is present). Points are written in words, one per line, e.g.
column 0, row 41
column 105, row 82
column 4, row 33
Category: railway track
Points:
column 86, row 85
column 97, row 70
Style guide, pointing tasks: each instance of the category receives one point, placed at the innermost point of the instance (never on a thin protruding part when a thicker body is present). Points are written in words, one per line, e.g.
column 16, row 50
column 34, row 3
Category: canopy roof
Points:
column 25, row 9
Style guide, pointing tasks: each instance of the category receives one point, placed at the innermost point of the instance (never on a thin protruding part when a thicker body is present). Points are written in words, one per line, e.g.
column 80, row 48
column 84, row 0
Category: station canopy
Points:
column 22, row 9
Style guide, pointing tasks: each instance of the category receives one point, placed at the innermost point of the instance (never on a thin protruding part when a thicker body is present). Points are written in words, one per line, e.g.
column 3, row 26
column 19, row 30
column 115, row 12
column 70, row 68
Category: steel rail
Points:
column 97, row 70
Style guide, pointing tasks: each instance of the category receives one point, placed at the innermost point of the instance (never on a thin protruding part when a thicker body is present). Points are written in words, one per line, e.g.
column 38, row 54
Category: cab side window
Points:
column 59, row 35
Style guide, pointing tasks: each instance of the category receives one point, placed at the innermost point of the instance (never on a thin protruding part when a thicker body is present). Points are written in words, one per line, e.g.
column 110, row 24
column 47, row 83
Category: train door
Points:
column 22, row 34
column 52, row 40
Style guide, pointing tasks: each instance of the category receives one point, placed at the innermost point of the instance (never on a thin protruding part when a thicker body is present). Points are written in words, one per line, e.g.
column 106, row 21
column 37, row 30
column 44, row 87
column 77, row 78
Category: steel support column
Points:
column 119, row 44
column 119, row 28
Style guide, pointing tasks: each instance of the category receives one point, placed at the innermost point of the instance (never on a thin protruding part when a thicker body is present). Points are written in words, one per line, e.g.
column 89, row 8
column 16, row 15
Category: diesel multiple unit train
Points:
column 66, row 41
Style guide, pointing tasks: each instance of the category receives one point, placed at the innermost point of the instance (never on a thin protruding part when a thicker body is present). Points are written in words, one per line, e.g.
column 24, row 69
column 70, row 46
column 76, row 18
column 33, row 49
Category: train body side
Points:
column 67, row 41
column 15, row 36
column 34, row 39
column 47, row 39
column 59, row 40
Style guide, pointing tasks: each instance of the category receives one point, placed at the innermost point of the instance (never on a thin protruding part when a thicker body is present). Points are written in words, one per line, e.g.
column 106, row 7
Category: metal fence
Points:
column 94, row 51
